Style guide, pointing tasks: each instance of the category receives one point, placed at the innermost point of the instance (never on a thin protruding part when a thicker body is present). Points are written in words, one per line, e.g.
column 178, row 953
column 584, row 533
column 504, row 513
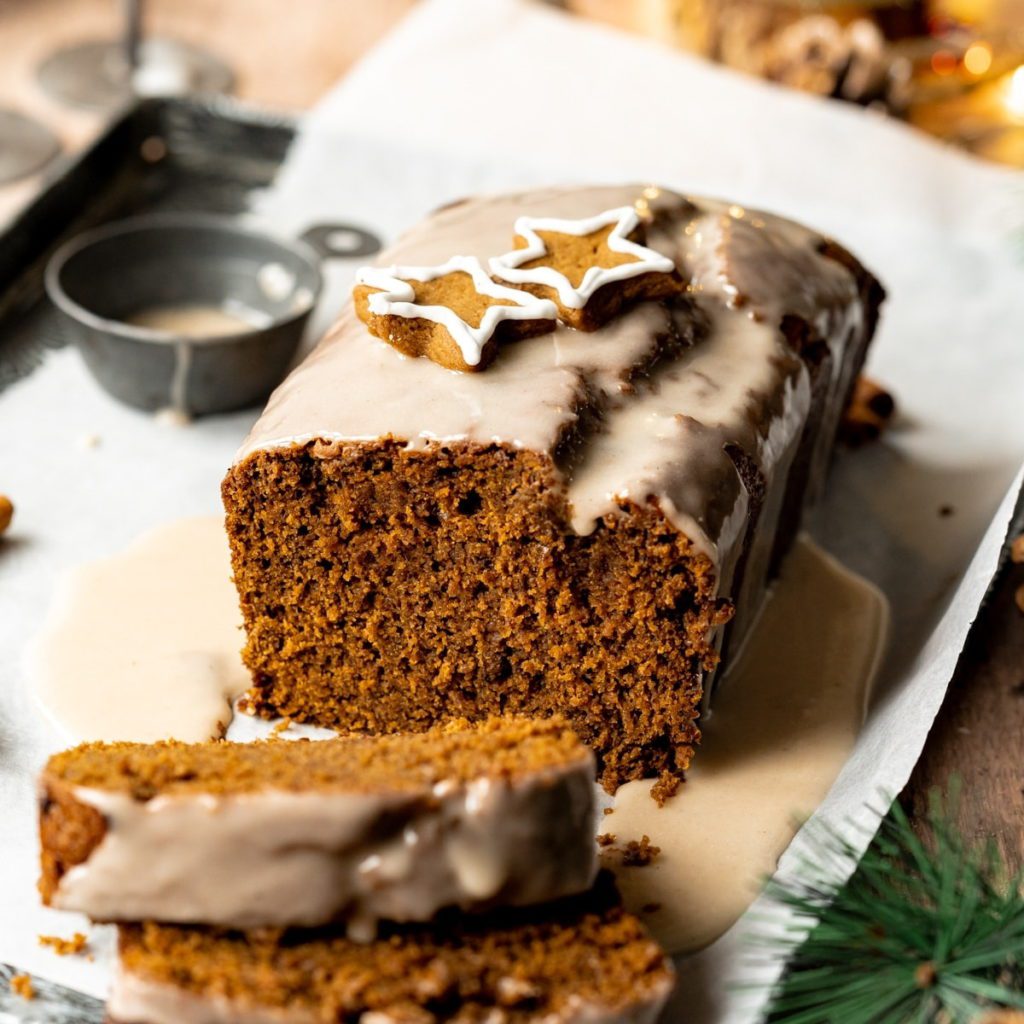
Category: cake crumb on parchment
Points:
column 639, row 853
column 65, row 947
column 21, row 985
column 6, row 513
column 665, row 788
column 636, row 853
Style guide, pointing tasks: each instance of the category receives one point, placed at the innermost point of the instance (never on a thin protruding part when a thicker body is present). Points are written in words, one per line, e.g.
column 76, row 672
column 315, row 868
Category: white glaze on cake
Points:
column 274, row 857
column 666, row 424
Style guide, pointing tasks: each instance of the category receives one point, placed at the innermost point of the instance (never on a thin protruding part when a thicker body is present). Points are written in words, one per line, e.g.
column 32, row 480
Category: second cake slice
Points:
column 302, row 833
column 579, row 961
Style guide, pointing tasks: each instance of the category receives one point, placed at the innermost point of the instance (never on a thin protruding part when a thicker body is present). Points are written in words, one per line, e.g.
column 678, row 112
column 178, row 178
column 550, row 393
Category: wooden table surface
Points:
column 285, row 56
column 979, row 734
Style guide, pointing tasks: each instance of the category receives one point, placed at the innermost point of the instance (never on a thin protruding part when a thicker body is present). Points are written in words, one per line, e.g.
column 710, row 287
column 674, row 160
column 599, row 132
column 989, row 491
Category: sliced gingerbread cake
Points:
column 570, row 498
column 581, row 961
column 287, row 832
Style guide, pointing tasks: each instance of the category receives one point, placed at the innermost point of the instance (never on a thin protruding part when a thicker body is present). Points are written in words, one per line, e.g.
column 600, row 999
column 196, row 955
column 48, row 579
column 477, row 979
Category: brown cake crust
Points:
column 528, row 964
column 424, row 586
column 459, row 751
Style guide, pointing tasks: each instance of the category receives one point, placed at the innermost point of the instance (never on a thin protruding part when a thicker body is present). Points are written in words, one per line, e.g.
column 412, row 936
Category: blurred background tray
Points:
column 160, row 155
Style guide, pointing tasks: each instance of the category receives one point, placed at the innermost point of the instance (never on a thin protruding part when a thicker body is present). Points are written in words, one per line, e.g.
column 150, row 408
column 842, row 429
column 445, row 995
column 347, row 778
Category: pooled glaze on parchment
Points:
column 664, row 432
column 784, row 722
column 276, row 858
column 145, row 645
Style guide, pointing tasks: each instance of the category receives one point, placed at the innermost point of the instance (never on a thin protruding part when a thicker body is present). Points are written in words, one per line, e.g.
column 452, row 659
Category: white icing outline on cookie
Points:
column 396, row 298
column 625, row 219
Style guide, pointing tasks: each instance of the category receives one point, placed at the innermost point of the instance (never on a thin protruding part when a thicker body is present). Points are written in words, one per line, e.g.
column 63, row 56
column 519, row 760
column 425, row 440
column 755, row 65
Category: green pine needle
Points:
column 925, row 930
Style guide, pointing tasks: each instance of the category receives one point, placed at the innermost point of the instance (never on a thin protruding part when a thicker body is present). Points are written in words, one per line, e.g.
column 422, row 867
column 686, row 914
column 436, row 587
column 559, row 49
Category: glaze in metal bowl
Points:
column 102, row 278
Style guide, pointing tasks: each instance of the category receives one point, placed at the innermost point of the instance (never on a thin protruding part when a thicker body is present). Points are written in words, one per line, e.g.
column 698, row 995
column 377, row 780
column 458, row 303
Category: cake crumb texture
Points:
column 385, row 590
column 458, row 751
column 526, row 965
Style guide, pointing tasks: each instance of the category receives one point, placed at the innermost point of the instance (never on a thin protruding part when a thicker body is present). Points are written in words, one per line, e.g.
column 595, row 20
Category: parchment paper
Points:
column 469, row 96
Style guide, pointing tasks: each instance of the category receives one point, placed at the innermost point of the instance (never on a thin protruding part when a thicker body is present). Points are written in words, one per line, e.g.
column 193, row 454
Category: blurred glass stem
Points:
column 103, row 75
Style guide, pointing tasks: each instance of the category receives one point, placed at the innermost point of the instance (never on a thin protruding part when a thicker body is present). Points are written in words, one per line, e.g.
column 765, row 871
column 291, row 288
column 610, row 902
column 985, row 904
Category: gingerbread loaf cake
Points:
column 582, row 961
column 301, row 833
column 432, row 521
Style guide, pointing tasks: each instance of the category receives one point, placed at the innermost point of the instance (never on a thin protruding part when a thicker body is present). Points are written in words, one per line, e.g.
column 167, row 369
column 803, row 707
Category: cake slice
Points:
column 300, row 833
column 587, row 526
column 584, row 961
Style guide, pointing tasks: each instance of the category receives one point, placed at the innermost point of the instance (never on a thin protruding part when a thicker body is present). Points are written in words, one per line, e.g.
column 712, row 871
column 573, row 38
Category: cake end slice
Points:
column 358, row 829
column 584, row 959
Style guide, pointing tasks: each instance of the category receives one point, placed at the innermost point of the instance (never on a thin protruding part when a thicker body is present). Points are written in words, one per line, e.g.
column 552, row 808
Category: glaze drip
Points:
column 275, row 857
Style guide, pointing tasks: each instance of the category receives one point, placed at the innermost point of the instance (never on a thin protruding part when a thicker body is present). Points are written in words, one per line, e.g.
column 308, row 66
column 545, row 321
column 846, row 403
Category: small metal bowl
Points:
column 104, row 277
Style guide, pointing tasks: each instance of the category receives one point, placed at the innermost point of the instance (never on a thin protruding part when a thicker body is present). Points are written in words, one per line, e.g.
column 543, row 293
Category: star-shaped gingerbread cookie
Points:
column 592, row 268
column 452, row 313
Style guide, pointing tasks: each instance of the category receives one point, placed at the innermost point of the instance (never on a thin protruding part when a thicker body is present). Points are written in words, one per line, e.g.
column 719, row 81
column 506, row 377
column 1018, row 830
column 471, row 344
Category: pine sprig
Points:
column 926, row 930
